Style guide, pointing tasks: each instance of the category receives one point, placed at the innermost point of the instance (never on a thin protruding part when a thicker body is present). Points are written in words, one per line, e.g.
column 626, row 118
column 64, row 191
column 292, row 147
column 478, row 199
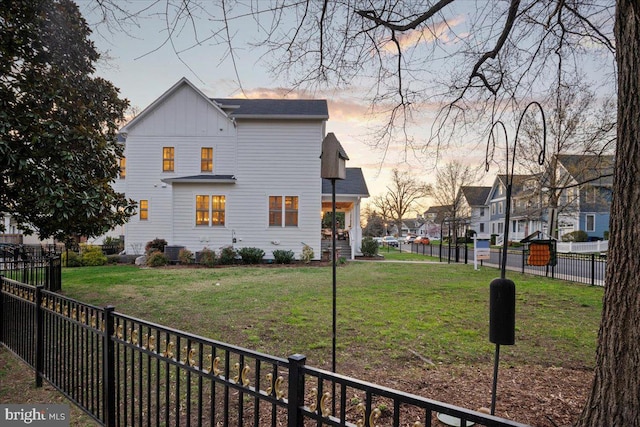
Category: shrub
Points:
column 369, row 247
column 185, row 256
column 251, row 255
column 156, row 245
column 281, row 256
column 575, row 236
column 227, row 255
column 207, row 257
column 113, row 259
column 71, row 259
column 157, row 259
column 92, row 256
column 307, row 254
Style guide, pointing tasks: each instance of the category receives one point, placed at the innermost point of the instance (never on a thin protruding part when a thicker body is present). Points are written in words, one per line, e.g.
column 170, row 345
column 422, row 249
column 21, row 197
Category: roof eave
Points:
column 279, row 117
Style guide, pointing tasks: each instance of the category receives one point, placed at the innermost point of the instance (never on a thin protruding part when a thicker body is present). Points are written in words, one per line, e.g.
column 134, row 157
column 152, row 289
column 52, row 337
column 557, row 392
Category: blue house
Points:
column 585, row 200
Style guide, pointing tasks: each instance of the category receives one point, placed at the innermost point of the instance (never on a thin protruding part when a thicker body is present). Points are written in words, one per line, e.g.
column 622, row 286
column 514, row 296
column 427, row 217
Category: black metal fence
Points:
column 38, row 271
column 126, row 371
column 582, row 268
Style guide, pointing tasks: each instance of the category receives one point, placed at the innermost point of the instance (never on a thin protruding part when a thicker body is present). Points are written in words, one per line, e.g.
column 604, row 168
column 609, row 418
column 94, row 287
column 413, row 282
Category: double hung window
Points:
column 210, row 210
column 283, row 211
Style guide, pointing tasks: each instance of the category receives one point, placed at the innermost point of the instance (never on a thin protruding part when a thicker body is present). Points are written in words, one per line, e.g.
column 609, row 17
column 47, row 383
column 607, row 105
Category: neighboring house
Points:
column 585, row 202
column 213, row 172
column 473, row 203
column 411, row 226
column 435, row 222
column 584, row 184
column 528, row 210
column 521, row 223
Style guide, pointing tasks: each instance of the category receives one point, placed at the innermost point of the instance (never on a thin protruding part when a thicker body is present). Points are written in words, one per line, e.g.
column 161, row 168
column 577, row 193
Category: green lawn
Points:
column 386, row 312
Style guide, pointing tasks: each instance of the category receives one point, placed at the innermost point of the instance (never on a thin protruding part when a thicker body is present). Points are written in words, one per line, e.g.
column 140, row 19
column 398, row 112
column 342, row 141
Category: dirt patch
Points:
column 534, row 395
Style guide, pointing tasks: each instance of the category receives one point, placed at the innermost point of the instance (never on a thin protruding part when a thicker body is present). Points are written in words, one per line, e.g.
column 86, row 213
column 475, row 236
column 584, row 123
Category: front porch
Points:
column 348, row 194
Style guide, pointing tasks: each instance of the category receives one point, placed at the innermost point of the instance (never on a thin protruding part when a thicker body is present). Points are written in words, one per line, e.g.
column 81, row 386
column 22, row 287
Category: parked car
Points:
column 390, row 240
column 422, row 240
column 408, row 239
column 378, row 240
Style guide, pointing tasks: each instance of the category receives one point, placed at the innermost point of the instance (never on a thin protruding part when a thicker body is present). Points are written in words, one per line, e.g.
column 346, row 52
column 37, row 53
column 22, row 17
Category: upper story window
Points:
column 210, row 210
column 493, row 208
column 144, row 210
column 206, row 159
column 283, row 211
column 123, row 167
column 168, row 159
column 500, row 207
column 590, row 223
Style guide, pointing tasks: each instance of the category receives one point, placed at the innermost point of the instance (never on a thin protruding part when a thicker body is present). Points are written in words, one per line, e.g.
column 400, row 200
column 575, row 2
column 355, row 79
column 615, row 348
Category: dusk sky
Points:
column 143, row 68
column 143, row 65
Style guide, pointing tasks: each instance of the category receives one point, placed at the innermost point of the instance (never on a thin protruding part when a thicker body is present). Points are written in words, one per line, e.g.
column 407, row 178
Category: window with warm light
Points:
column 123, row 167
column 283, row 208
column 206, row 159
column 217, row 210
column 144, row 210
column 210, row 210
column 168, row 159
column 291, row 211
column 202, row 210
column 275, row 211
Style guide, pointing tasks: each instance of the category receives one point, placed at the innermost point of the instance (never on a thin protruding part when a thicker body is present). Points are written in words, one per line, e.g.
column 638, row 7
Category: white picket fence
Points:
column 599, row 246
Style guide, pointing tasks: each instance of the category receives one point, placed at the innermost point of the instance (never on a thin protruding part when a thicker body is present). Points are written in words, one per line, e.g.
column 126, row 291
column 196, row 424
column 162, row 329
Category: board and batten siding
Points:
column 184, row 113
column 187, row 122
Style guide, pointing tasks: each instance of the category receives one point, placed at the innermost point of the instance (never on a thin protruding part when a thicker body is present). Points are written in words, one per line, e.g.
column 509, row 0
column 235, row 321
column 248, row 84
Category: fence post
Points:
column 593, row 269
column 108, row 366
column 296, row 390
column 39, row 336
column 1, row 309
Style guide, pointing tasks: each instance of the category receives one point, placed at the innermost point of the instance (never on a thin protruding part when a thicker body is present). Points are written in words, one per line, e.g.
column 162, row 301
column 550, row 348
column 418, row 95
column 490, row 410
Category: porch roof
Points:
column 353, row 185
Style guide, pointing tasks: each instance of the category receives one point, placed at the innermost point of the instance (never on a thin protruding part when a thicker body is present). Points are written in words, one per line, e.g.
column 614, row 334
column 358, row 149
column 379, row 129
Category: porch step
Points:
column 342, row 246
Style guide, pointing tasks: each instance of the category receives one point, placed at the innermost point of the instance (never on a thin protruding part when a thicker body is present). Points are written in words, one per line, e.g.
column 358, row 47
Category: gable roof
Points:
column 476, row 196
column 588, row 168
column 168, row 93
column 517, row 186
column 237, row 108
column 240, row 108
column 353, row 185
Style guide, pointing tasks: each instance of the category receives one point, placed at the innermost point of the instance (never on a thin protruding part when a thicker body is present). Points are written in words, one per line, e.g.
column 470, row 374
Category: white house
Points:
column 218, row 172
column 473, row 208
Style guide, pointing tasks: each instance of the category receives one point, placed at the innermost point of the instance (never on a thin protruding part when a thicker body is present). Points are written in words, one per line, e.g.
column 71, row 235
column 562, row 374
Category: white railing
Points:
column 583, row 247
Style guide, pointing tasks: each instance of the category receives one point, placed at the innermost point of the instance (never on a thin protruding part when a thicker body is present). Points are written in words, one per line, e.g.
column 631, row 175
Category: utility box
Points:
column 333, row 158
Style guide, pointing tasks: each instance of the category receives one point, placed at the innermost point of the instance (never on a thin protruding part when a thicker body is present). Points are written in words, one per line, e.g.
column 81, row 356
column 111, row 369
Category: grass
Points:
column 386, row 312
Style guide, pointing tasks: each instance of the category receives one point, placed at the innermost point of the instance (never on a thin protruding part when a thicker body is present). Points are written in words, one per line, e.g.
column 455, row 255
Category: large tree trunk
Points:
column 615, row 395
